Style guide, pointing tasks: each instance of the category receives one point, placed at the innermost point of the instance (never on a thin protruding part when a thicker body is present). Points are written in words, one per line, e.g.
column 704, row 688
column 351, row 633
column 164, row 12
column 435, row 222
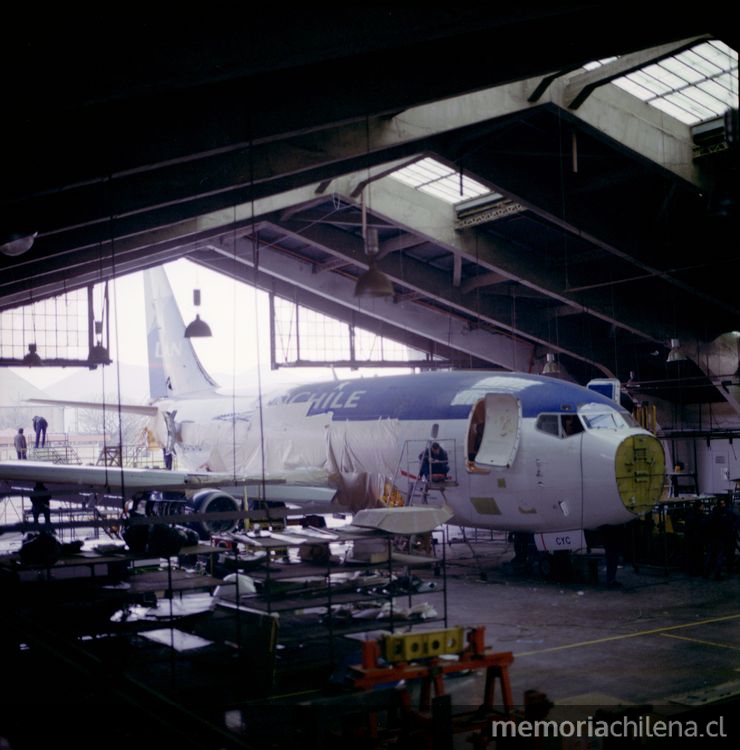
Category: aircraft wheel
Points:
column 545, row 564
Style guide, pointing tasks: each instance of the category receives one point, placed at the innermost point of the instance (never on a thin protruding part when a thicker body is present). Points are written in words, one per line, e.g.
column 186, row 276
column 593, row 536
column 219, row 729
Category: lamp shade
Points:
column 99, row 355
column 32, row 359
column 675, row 354
column 198, row 329
column 373, row 283
column 551, row 366
column 17, row 244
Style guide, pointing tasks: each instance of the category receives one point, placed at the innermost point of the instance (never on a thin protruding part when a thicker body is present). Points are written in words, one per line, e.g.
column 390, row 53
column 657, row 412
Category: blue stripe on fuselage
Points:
column 439, row 395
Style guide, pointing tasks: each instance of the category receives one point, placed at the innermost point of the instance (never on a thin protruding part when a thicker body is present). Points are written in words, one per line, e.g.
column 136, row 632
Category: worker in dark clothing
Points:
column 21, row 446
column 40, row 500
column 731, row 538
column 434, row 463
column 678, row 468
column 168, row 458
column 694, row 530
column 39, row 427
column 613, row 538
column 720, row 532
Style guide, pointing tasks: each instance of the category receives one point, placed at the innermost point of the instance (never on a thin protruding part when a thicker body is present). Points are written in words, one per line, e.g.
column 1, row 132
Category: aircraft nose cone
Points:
column 640, row 470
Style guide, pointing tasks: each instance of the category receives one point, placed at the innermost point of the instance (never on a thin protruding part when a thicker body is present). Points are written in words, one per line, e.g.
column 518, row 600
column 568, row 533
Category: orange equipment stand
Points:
column 431, row 672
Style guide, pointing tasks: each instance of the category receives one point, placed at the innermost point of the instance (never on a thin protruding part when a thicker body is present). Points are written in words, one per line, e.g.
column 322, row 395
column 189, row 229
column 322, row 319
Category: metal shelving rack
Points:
column 328, row 585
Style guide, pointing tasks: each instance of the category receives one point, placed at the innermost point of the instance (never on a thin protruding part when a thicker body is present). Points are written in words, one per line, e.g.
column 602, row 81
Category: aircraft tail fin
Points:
column 174, row 367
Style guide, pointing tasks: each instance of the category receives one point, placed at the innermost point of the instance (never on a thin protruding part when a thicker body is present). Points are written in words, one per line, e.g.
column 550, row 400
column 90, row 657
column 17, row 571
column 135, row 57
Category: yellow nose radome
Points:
column 640, row 471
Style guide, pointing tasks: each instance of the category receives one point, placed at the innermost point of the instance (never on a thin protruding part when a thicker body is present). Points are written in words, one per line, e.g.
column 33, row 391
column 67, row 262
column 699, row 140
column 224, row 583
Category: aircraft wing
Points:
column 142, row 409
column 128, row 481
column 110, row 478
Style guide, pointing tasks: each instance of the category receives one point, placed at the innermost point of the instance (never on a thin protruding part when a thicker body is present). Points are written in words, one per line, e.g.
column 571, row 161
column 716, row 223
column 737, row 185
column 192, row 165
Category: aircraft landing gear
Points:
column 553, row 566
column 525, row 550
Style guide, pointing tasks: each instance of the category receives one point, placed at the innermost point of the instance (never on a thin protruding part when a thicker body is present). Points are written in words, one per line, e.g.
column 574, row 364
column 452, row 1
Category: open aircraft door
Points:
column 501, row 430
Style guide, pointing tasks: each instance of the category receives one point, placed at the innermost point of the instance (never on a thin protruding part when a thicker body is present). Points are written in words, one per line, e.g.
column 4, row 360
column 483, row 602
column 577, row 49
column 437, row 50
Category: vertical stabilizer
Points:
column 174, row 367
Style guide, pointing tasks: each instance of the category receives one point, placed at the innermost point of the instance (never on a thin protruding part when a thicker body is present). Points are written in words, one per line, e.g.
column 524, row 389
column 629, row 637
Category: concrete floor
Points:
column 658, row 636
column 663, row 635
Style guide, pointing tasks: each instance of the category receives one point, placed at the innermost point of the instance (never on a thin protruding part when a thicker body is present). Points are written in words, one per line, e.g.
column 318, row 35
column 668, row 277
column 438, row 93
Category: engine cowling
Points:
column 212, row 501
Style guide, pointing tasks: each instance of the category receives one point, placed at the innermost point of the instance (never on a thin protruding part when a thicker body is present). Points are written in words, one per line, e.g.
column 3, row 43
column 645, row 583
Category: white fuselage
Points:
column 525, row 475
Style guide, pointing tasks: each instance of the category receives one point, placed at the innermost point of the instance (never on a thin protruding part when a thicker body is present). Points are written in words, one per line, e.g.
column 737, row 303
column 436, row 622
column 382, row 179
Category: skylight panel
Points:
column 729, row 82
column 449, row 189
column 653, row 84
column 694, row 85
column 425, row 173
column 681, row 69
column 419, row 175
column 437, row 179
column 680, row 114
column 409, row 176
column 443, row 189
column 699, row 63
column 718, row 53
column 599, row 63
column 436, row 168
column 706, row 100
column 715, row 89
column 680, row 99
column 665, row 76
column 629, row 85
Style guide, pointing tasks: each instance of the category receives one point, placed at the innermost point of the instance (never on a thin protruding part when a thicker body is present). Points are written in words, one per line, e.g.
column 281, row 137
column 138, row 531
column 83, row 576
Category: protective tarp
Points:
column 286, row 440
column 358, row 457
column 354, row 447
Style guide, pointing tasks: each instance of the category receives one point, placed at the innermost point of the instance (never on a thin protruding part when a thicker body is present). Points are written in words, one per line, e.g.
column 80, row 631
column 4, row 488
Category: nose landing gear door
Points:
column 501, row 428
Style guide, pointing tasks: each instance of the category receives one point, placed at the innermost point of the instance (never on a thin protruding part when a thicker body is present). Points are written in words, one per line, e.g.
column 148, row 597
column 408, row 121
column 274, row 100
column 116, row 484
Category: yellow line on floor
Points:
column 640, row 633
column 697, row 640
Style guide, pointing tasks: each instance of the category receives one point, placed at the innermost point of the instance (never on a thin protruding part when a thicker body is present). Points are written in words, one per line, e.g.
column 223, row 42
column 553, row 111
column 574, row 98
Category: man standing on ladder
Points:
column 434, row 463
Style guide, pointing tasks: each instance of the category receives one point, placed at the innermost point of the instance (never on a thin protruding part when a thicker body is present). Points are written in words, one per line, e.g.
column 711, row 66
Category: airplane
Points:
column 525, row 453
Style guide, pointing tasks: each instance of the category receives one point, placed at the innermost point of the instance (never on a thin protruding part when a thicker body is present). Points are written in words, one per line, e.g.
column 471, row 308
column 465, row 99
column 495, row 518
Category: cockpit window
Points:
column 596, row 417
column 571, row 425
column 559, row 425
column 601, row 422
column 548, row 423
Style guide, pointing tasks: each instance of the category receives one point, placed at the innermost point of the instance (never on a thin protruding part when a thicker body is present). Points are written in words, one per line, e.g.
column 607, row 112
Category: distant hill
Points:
column 95, row 385
column 14, row 388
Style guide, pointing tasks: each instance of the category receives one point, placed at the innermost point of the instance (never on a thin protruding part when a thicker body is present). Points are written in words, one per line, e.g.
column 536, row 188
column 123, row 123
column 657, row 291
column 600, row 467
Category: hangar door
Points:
column 493, row 433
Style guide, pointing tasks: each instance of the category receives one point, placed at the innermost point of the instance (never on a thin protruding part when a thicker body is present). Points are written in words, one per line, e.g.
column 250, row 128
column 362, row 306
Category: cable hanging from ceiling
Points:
column 372, row 283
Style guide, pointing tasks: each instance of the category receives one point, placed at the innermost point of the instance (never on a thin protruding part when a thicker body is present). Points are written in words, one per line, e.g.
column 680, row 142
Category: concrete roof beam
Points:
column 499, row 348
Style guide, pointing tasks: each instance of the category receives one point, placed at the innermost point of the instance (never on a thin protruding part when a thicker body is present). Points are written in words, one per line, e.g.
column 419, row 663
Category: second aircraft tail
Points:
column 174, row 367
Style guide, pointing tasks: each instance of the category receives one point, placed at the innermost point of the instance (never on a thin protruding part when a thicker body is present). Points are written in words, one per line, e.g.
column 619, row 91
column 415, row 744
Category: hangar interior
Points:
column 544, row 188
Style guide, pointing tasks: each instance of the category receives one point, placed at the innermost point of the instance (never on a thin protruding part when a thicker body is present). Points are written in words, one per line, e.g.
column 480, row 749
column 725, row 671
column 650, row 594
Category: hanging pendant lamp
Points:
column 197, row 328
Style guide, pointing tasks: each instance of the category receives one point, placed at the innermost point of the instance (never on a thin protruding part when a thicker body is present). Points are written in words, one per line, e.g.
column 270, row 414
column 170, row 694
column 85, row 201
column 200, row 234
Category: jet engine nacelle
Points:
column 212, row 501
